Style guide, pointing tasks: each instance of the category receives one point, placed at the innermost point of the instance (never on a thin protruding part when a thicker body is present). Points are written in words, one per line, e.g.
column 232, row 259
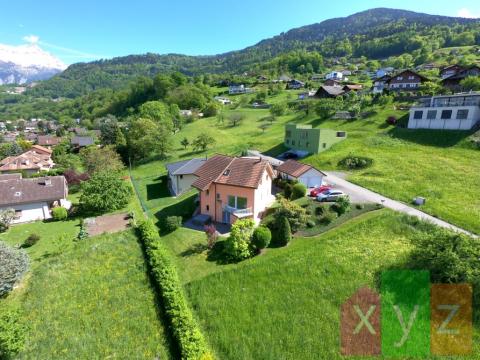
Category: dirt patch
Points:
column 107, row 224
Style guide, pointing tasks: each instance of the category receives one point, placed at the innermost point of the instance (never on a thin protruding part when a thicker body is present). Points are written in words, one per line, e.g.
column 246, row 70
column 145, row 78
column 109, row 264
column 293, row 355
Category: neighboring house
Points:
column 450, row 70
column 446, row 112
column 383, row 71
column 305, row 174
column 234, row 188
column 234, row 89
column 380, row 84
column 334, row 75
column 453, row 81
column 48, row 140
column 30, row 136
column 329, row 92
column 274, row 162
column 406, row 80
column 332, row 82
column 284, row 78
column 82, row 141
column 32, row 199
column 352, row 87
column 314, row 141
column 223, row 100
column 31, row 162
column 317, row 77
column 346, row 73
column 295, row 84
column 181, row 174
column 262, row 78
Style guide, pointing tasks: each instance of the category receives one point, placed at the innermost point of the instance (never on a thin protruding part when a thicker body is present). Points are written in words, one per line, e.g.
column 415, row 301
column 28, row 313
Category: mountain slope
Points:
column 26, row 63
column 375, row 33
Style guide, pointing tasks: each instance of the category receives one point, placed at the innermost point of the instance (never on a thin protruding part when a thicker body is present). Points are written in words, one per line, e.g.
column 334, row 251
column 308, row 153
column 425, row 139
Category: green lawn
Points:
column 285, row 303
column 94, row 300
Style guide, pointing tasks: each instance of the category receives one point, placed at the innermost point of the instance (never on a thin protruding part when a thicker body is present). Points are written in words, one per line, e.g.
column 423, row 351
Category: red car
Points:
column 318, row 190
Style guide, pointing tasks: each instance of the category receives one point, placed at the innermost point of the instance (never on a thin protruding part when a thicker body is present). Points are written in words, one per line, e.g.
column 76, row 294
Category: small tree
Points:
column 185, row 143
column 13, row 264
column 236, row 118
column 105, row 192
column 212, row 235
column 237, row 246
column 6, row 218
column 298, row 191
column 261, row 237
column 278, row 109
column 202, row 142
column 471, row 83
column 101, row 159
column 263, row 127
column 284, row 232
column 342, row 205
column 294, row 213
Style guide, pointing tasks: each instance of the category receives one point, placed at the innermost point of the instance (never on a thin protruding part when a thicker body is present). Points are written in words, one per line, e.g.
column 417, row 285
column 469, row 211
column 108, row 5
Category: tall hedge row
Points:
column 184, row 328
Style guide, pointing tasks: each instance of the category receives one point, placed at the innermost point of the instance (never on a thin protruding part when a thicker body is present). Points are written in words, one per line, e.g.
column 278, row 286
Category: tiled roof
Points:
column 29, row 160
column 333, row 90
column 82, row 140
column 41, row 150
column 295, row 168
column 48, row 140
column 24, row 191
column 221, row 169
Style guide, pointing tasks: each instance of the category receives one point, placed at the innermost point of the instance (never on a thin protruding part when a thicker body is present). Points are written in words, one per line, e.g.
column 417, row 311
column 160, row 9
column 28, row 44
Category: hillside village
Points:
column 214, row 219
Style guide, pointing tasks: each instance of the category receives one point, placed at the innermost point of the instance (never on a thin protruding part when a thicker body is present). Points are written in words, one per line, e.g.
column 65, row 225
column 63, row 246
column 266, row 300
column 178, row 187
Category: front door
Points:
column 226, row 217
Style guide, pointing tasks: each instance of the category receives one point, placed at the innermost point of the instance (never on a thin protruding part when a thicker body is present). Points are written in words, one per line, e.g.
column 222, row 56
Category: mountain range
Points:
column 376, row 33
column 26, row 63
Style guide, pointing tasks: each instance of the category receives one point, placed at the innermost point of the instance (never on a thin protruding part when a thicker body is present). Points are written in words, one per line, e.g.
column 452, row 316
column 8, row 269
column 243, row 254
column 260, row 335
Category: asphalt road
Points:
column 359, row 194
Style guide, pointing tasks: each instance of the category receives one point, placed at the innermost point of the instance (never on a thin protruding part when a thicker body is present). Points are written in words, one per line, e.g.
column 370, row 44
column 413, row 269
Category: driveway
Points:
column 361, row 195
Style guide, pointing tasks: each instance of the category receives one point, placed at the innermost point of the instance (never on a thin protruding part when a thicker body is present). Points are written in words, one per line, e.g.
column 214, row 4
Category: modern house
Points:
column 447, row 112
column 295, row 84
column 305, row 174
column 406, row 80
column 452, row 82
column 313, row 141
column 235, row 89
column 32, row 199
column 31, row 162
column 181, row 174
column 82, row 141
column 334, row 75
column 329, row 92
column 234, row 188
column 48, row 140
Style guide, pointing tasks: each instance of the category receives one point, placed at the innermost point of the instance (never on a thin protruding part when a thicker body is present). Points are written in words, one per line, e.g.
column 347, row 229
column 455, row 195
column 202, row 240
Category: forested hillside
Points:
column 374, row 34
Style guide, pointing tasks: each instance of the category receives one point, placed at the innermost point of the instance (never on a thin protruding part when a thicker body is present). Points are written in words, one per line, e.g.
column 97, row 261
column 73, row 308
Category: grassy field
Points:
column 433, row 164
column 285, row 303
column 94, row 299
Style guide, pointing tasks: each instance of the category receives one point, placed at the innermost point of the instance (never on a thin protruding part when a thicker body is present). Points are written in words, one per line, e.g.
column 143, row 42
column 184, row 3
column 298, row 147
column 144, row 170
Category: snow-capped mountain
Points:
column 26, row 63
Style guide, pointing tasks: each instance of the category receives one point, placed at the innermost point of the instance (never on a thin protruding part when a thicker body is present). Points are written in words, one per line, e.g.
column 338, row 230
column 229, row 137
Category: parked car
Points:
column 290, row 155
column 318, row 190
column 330, row 195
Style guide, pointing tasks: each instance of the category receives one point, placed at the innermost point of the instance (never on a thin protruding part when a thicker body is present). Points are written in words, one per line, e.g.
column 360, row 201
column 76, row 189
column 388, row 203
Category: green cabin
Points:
column 305, row 138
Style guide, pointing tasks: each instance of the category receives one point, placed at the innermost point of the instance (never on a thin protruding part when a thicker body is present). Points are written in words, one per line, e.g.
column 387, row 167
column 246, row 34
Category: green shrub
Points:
column 238, row 244
column 294, row 213
column 341, row 206
column 288, row 190
column 13, row 264
column 310, row 223
column 172, row 223
column 328, row 217
column 298, row 191
column 352, row 162
column 359, row 206
column 59, row 213
column 261, row 237
column 83, row 233
column 319, row 210
column 12, row 332
column 185, row 330
column 6, row 218
column 31, row 240
column 284, row 233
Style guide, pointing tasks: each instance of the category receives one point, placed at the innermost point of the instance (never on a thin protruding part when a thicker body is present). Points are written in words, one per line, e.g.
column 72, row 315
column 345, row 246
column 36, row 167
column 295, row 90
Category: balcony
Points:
column 453, row 101
column 239, row 213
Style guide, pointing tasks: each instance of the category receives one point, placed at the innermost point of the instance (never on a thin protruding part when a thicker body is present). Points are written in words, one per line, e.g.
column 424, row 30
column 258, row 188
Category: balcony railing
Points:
column 238, row 212
column 447, row 102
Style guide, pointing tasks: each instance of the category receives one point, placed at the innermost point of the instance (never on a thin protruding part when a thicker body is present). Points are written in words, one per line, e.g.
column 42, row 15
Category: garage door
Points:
column 312, row 181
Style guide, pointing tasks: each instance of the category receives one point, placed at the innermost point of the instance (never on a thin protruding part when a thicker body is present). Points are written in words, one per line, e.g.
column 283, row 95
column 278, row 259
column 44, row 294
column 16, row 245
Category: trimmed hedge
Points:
column 185, row 329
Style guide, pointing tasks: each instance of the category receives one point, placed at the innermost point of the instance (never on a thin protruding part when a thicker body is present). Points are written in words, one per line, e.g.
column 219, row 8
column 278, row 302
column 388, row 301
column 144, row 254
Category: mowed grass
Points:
column 93, row 301
column 286, row 303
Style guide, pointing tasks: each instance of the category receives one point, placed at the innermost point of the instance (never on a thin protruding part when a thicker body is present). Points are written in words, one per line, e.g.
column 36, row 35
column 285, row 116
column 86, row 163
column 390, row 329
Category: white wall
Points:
column 31, row 212
column 447, row 124
column 311, row 178
column 263, row 196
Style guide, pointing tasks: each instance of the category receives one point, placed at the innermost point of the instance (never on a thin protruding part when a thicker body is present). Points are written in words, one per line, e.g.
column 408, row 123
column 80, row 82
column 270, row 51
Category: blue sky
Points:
column 85, row 30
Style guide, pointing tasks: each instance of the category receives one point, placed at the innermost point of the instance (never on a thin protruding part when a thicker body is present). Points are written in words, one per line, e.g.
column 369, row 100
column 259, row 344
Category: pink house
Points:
column 234, row 188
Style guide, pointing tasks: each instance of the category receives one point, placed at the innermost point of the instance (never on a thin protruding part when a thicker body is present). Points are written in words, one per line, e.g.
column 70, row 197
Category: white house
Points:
column 32, row 199
column 223, row 100
column 446, row 112
column 234, row 89
column 181, row 174
column 334, row 75
column 305, row 174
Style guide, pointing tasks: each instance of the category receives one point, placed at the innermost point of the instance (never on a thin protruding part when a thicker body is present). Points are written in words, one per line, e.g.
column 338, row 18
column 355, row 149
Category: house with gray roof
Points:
column 32, row 199
column 82, row 141
column 181, row 174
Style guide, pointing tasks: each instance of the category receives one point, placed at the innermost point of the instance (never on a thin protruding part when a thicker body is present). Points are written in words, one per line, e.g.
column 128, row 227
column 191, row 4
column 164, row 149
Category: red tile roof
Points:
column 221, row 169
column 47, row 140
column 294, row 168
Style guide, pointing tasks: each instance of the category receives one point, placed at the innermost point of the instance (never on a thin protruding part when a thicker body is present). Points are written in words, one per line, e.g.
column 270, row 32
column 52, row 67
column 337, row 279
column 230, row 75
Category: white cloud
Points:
column 467, row 13
column 32, row 39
